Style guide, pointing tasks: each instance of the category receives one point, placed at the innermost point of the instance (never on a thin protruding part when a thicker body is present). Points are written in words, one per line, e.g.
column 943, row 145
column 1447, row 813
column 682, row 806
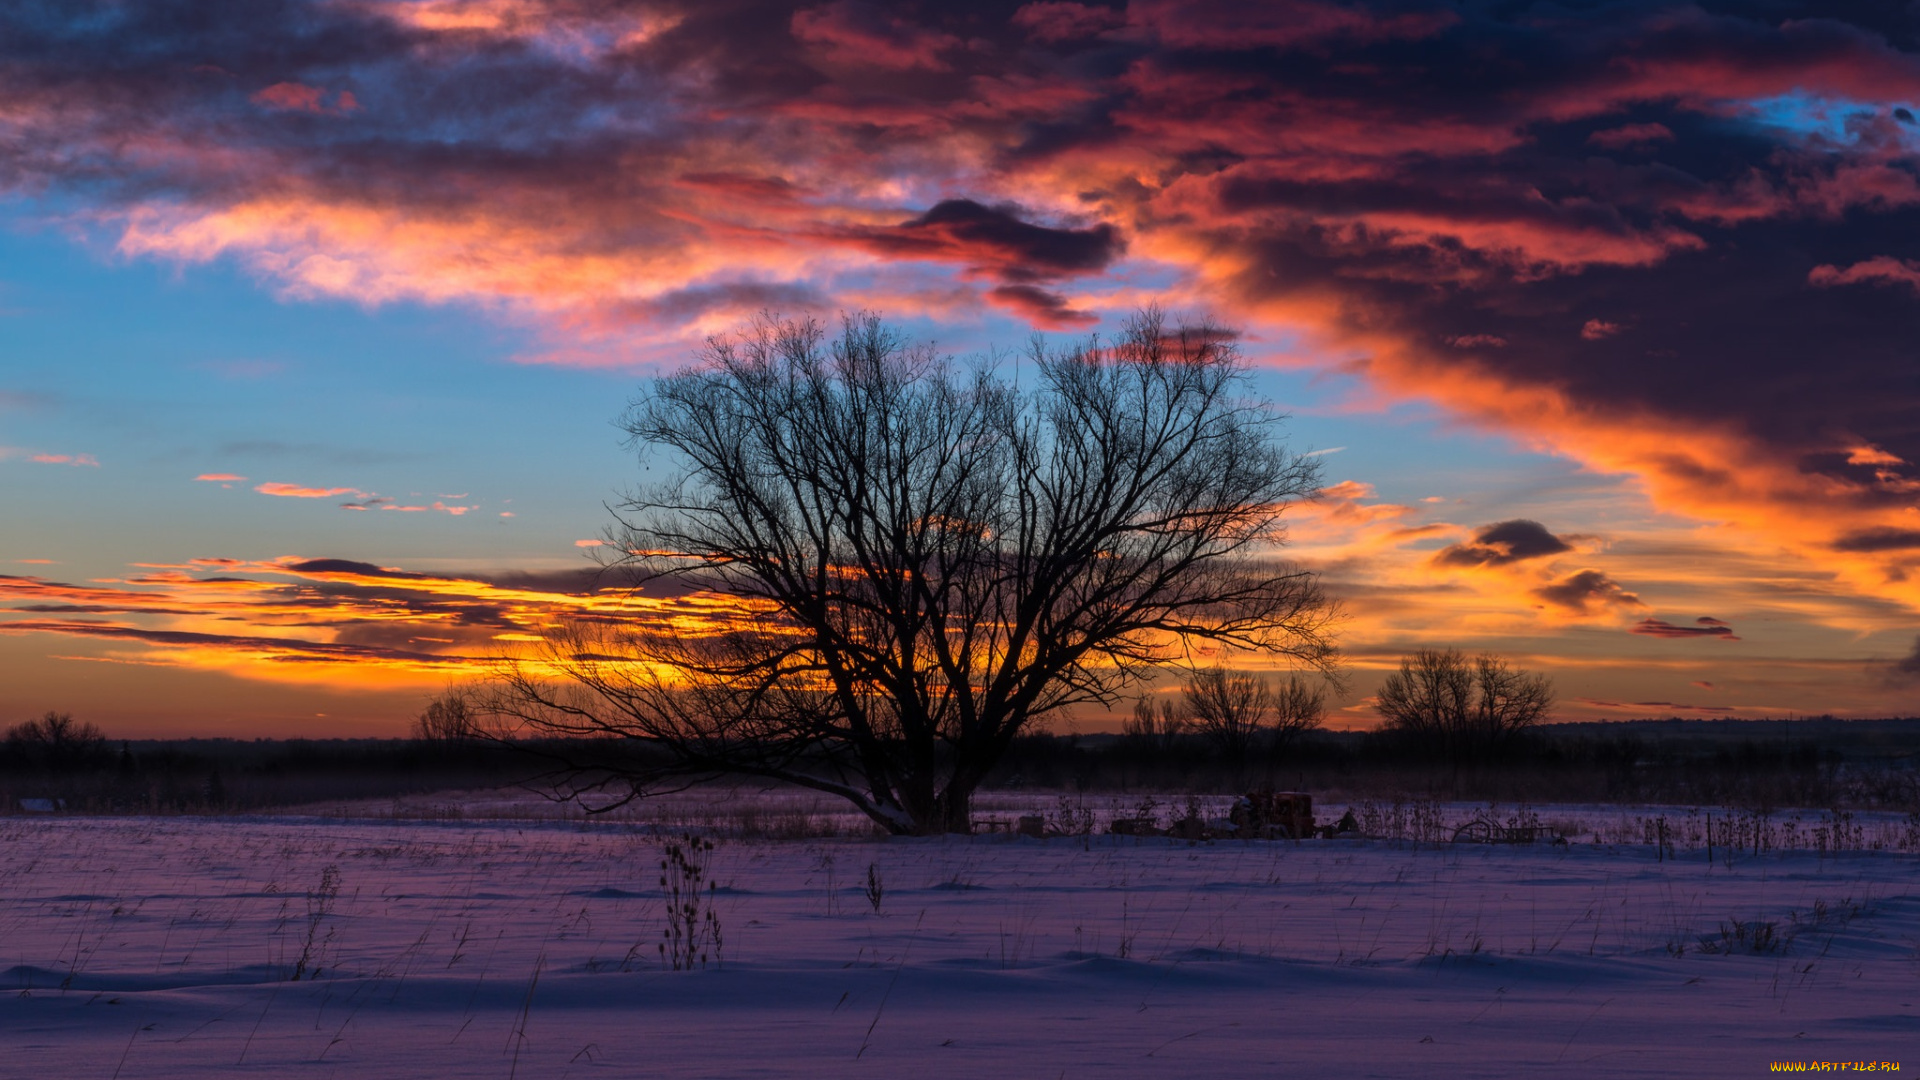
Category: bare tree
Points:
column 56, row 741
column 935, row 556
column 1298, row 707
column 446, row 719
column 1230, row 708
column 1152, row 727
column 1462, row 707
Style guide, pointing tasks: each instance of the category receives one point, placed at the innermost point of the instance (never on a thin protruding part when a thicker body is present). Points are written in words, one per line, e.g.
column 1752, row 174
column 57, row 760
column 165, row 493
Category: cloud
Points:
column 1907, row 668
column 1502, row 543
column 1669, row 706
column 1443, row 194
column 86, row 460
column 1878, row 539
column 1704, row 627
column 1627, row 136
column 367, row 625
column 1880, row 270
column 296, row 97
column 850, row 34
column 221, row 477
column 1871, row 455
column 301, row 491
column 1047, row 310
column 1582, row 591
column 1054, row 21
column 346, row 566
column 993, row 241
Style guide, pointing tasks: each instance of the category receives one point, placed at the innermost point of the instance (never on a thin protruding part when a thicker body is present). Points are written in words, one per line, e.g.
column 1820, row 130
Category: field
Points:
column 441, row 943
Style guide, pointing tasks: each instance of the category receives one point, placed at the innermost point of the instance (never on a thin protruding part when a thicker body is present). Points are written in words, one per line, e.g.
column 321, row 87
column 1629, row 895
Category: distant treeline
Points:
column 204, row 775
column 1820, row 762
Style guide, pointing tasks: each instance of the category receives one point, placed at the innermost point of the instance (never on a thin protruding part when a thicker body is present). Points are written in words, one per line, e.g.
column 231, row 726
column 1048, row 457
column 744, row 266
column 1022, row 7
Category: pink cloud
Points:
column 66, row 459
column 1626, row 135
column 221, row 477
column 1282, row 23
column 301, row 491
column 1599, row 330
column 1052, row 21
column 854, row 34
column 298, row 97
column 1879, row 270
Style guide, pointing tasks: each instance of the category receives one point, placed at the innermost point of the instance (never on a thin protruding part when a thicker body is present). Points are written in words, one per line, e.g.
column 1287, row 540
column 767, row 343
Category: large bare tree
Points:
column 936, row 554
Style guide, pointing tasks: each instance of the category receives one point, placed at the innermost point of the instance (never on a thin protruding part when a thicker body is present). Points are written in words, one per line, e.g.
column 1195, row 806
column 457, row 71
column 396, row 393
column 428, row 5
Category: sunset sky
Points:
column 315, row 316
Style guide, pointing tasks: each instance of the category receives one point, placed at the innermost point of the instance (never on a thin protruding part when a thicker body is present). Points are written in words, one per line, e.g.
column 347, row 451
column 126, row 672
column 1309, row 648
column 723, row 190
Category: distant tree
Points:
column 1237, row 711
column 1298, row 707
column 56, row 742
column 1154, row 728
column 446, row 719
column 1460, row 707
column 936, row 555
column 1229, row 708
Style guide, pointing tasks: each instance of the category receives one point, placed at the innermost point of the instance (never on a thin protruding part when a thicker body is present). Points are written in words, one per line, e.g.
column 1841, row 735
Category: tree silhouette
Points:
column 1459, row 707
column 936, row 556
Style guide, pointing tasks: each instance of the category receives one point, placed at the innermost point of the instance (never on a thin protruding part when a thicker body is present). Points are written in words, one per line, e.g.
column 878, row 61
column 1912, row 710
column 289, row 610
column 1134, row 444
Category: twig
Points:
column 867, row 1039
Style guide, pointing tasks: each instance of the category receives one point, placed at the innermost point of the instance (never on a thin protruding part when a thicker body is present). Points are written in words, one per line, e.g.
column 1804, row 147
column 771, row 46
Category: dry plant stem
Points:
column 692, row 934
column 866, row 1040
column 320, row 901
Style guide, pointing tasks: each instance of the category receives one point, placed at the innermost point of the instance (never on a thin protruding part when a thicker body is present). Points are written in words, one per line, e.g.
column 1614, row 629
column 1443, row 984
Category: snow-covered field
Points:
column 165, row 947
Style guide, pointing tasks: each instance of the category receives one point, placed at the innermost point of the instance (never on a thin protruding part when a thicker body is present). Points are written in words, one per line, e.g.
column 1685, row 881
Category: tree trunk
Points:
column 953, row 811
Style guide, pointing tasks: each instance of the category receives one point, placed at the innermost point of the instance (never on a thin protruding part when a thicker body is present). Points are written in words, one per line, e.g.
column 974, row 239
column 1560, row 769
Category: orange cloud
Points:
column 335, row 622
column 221, row 477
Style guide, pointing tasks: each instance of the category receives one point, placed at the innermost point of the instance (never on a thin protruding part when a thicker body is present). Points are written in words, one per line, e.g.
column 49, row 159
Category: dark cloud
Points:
column 994, row 241
column 1048, row 310
column 1585, row 589
column 1704, row 627
column 289, row 647
column 1503, row 542
column 1907, row 668
column 1673, row 706
column 346, row 566
column 1879, row 539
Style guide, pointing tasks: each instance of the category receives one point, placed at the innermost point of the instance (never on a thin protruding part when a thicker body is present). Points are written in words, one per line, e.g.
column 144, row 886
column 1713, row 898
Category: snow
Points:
column 163, row 947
